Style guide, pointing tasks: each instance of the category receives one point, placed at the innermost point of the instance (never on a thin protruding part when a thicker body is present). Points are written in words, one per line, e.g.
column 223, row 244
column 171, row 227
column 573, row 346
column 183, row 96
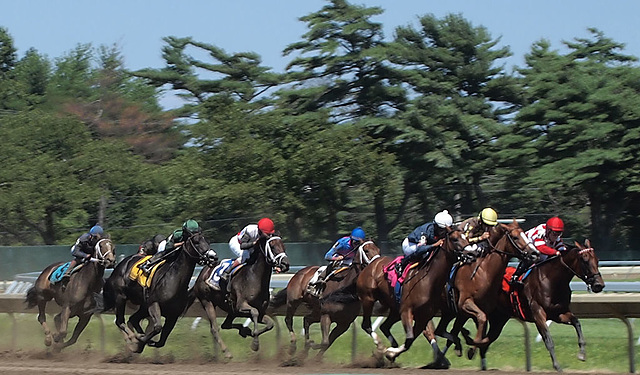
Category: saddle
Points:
column 58, row 272
column 215, row 280
column 137, row 274
column 519, row 305
column 314, row 288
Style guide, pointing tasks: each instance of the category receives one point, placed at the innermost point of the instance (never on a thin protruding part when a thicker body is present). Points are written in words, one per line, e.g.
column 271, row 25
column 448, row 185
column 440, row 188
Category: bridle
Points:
column 522, row 252
column 362, row 254
column 200, row 255
column 588, row 278
column 101, row 256
column 274, row 260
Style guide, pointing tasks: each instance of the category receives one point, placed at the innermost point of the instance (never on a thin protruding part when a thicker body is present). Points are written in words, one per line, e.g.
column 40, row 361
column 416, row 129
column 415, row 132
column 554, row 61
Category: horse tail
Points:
column 32, row 297
column 278, row 299
column 108, row 296
column 345, row 295
column 191, row 297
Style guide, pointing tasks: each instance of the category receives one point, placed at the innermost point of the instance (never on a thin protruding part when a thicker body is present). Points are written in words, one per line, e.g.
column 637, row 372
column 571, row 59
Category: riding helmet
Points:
column 555, row 224
column 443, row 219
column 358, row 234
column 96, row 229
column 266, row 225
column 489, row 216
column 191, row 226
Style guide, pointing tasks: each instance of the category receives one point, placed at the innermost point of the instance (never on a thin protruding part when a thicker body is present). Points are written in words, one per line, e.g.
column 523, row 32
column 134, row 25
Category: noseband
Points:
column 273, row 259
column 192, row 247
column 588, row 278
column 364, row 259
column 100, row 256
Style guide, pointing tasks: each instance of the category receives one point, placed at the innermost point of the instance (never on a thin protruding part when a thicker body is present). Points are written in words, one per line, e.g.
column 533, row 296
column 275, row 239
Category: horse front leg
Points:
column 470, row 307
column 325, row 328
column 155, row 325
column 340, row 328
column 167, row 327
column 569, row 318
column 83, row 321
column 229, row 324
column 62, row 321
column 212, row 315
column 407, row 322
column 540, row 319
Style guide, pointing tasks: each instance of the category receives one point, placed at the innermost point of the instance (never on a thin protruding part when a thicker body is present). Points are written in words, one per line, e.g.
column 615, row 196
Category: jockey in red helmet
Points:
column 547, row 238
column 242, row 243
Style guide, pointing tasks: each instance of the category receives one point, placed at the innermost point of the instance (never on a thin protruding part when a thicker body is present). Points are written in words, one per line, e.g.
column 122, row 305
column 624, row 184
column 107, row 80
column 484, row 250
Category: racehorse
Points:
column 166, row 296
column 248, row 292
column 372, row 286
column 422, row 290
column 75, row 296
column 546, row 296
column 476, row 285
column 326, row 309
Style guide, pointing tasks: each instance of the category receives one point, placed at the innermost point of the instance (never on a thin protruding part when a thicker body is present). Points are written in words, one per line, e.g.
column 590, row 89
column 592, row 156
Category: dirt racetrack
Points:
column 44, row 363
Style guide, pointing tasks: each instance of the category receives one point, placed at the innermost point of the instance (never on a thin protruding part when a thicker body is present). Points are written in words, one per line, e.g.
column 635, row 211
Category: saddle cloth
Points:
column 138, row 274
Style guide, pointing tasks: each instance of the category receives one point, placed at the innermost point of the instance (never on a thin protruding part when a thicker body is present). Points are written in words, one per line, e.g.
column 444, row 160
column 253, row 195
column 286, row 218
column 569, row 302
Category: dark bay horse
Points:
column 248, row 294
column 76, row 296
column 167, row 296
column 546, row 296
column 342, row 308
column 477, row 284
column 422, row 291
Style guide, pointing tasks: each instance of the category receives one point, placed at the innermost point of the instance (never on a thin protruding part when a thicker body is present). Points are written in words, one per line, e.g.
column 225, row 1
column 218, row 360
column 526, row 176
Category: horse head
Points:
column 274, row 253
column 520, row 245
column 105, row 252
column 366, row 253
column 455, row 240
column 197, row 247
column 587, row 267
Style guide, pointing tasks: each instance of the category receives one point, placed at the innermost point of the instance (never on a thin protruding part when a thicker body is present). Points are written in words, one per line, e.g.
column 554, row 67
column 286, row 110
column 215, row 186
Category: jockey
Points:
column 84, row 247
column 341, row 253
column 242, row 243
column 476, row 230
column 153, row 245
column 174, row 241
column 547, row 238
column 424, row 238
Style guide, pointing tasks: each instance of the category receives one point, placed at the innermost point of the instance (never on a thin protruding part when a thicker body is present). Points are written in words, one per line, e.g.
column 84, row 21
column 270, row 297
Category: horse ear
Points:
column 577, row 244
column 587, row 243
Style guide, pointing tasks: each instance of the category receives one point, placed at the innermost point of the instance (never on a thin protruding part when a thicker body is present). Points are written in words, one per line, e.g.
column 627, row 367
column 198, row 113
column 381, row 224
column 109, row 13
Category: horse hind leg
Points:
column 210, row 310
column 42, row 319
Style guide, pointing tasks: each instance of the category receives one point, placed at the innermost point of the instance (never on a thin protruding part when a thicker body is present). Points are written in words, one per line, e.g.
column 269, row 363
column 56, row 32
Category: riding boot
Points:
column 400, row 266
column 515, row 282
column 148, row 265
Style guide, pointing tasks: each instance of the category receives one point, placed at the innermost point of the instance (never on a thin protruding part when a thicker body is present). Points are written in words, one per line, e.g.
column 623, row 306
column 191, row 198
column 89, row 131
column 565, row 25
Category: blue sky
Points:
column 266, row 27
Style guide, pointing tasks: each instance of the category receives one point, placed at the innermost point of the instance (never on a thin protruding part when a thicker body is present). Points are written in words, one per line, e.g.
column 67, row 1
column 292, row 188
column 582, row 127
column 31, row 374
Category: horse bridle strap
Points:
column 364, row 256
column 273, row 259
column 98, row 251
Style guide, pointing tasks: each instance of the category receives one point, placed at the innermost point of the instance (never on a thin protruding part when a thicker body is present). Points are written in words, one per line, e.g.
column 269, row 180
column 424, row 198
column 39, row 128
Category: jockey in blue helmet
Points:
column 341, row 253
column 84, row 247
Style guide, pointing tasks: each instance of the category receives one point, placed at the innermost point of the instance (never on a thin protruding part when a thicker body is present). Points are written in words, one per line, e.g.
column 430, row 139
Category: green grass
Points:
column 606, row 344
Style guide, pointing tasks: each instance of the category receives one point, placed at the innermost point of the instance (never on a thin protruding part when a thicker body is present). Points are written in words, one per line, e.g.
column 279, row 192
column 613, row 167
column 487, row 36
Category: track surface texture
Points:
column 44, row 363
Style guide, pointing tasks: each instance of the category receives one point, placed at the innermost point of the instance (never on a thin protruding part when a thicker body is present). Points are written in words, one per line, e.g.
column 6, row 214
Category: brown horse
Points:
column 476, row 285
column 337, row 304
column 248, row 294
column 76, row 296
column 422, row 290
column 546, row 296
column 372, row 286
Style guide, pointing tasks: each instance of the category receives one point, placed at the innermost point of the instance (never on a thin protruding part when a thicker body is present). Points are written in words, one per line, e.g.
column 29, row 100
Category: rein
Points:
column 587, row 279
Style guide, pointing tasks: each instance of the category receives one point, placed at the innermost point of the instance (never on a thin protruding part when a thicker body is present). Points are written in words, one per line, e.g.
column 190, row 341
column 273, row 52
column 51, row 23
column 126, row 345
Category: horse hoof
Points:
column 255, row 345
column 48, row 341
column 471, row 353
column 458, row 352
column 582, row 357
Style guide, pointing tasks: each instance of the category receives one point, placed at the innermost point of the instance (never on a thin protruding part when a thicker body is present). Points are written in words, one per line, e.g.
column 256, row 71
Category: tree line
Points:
column 359, row 130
